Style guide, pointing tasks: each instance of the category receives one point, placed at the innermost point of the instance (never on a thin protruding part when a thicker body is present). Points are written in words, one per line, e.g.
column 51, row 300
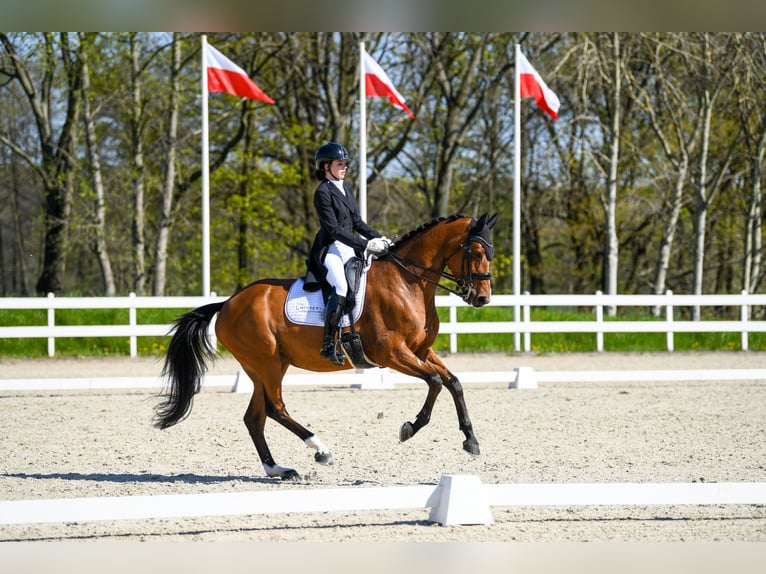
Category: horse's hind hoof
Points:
column 323, row 458
column 471, row 446
column 406, row 432
column 290, row 474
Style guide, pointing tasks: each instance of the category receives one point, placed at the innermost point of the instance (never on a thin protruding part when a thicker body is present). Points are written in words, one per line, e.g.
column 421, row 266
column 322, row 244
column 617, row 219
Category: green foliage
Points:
column 457, row 156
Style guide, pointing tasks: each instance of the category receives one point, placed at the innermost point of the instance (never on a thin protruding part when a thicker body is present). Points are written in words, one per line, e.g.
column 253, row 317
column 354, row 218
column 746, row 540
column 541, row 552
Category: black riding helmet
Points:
column 329, row 152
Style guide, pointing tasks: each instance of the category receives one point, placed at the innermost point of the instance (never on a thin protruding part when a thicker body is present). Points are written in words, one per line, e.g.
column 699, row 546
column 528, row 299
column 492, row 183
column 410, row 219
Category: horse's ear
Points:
column 492, row 221
column 481, row 222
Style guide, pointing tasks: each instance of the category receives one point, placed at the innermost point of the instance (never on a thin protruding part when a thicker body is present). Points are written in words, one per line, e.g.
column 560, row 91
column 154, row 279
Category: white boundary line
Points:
column 386, row 379
column 457, row 499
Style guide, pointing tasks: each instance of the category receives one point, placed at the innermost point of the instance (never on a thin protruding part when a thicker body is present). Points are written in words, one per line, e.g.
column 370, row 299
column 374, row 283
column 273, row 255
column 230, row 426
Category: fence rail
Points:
column 522, row 327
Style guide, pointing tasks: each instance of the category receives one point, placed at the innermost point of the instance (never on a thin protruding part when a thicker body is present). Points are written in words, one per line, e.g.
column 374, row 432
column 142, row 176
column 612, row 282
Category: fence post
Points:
column 452, row 320
column 744, row 316
column 211, row 328
column 132, row 322
column 527, row 320
column 599, row 321
column 51, row 324
column 669, row 338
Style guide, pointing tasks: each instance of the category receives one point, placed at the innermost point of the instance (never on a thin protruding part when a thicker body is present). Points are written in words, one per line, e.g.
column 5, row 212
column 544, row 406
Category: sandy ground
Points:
column 101, row 443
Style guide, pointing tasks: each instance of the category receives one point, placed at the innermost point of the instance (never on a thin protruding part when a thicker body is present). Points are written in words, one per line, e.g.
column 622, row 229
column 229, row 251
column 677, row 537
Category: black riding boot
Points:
column 333, row 315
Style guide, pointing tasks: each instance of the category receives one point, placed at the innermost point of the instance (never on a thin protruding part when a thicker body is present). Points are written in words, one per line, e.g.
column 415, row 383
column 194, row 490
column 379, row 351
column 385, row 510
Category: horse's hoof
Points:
column 290, row 474
column 406, row 432
column 323, row 458
column 471, row 446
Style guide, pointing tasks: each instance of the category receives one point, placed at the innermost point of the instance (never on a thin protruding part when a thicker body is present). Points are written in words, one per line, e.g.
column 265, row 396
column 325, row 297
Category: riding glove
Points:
column 376, row 246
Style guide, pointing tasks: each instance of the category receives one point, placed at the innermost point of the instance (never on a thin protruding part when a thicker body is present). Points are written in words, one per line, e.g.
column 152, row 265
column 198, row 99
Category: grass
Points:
column 541, row 343
column 84, row 346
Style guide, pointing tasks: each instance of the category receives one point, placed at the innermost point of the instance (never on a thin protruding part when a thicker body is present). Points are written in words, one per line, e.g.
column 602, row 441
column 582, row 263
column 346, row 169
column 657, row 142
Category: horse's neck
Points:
column 431, row 251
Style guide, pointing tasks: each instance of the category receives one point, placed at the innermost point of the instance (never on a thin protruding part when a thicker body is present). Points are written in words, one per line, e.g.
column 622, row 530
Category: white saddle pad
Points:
column 307, row 308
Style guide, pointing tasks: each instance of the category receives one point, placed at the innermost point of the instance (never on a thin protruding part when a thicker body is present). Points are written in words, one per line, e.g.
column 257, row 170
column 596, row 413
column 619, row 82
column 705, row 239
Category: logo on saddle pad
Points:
column 307, row 307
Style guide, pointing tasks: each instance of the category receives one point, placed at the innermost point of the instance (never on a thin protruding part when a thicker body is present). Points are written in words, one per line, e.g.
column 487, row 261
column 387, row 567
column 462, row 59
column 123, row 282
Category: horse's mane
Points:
column 428, row 225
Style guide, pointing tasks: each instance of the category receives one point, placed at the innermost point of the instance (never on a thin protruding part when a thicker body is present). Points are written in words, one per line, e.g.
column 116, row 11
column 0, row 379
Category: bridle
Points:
column 464, row 285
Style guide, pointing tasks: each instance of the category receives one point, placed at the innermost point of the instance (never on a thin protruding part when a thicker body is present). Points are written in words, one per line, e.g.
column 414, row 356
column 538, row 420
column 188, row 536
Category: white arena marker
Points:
column 459, row 499
column 526, row 378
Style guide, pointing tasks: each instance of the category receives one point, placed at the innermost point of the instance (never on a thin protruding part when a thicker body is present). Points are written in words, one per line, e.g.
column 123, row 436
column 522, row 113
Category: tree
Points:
column 99, row 224
column 750, row 86
column 55, row 160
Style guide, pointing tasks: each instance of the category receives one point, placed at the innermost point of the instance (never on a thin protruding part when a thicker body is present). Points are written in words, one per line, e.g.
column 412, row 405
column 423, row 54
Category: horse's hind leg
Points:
column 275, row 409
column 267, row 402
column 255, row 421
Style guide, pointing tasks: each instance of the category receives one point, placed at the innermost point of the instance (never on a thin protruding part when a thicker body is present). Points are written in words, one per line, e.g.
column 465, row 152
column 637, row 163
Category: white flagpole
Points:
column 362, row 137
column 205, row 181
column 516, row 199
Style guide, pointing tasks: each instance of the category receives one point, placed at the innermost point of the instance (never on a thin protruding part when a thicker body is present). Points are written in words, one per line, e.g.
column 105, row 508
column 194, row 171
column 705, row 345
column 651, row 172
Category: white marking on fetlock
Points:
column 314, row 442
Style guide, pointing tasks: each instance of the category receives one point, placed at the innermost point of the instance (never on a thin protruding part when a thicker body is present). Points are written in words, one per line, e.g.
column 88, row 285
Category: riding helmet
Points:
column 329, row 152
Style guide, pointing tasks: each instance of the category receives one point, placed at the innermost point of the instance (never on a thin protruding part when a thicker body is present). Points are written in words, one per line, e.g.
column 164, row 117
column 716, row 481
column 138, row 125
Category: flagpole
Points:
column 362, row 137
column 516, row 199
column 205, row 181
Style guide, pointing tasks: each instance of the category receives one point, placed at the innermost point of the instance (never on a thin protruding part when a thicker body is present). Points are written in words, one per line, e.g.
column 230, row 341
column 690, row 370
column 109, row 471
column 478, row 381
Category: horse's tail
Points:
column 185, row 364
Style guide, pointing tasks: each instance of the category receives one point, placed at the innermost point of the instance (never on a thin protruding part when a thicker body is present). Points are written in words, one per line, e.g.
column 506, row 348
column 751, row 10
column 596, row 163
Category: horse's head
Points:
column 472, row 260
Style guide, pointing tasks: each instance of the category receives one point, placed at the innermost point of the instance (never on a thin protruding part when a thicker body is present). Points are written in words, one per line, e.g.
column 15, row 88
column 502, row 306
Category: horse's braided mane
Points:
column 410, row 234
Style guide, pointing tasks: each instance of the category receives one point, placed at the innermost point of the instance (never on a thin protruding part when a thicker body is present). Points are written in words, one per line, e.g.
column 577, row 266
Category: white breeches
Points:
column 337, row 255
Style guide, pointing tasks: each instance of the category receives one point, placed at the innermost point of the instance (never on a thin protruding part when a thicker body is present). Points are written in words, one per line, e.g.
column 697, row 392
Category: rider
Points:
column 337, row 241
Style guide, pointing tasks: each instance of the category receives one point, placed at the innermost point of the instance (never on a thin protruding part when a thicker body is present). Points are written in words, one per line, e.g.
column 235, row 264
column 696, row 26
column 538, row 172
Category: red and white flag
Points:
column 223, row 75
column 377, row 83
column 532, row 86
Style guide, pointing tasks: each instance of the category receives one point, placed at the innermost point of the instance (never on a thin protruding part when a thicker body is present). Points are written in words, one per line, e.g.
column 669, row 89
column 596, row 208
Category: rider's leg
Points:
column 336, row 276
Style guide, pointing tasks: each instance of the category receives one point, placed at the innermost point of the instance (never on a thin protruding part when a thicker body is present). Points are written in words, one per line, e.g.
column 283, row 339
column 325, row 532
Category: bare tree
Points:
column 166, row 213
column 55, row 160
column 750, row 86
column 102, row 253
column 676, row 127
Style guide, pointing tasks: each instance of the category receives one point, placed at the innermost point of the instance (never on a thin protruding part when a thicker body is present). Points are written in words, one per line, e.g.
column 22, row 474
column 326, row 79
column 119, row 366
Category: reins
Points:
column 464, row 288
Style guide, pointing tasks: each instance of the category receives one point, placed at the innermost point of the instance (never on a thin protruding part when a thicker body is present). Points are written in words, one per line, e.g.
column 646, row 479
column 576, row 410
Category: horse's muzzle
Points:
column 473, row 298
column 479, row 301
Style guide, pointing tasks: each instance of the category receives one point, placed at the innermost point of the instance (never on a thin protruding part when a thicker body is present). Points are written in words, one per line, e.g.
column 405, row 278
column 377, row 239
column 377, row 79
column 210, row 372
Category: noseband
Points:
column 465, row 289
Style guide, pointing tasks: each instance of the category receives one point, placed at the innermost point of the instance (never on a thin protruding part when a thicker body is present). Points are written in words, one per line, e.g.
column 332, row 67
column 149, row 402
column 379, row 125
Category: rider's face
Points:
column 337, row 168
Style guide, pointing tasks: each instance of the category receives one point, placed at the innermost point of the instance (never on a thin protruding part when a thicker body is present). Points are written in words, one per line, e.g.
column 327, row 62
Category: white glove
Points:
column 388, row 242
column 377, row 246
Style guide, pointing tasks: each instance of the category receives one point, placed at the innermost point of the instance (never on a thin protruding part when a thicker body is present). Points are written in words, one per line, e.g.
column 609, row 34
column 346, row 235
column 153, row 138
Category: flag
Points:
column 532, row 86
column 223, row 75
column 377, row 83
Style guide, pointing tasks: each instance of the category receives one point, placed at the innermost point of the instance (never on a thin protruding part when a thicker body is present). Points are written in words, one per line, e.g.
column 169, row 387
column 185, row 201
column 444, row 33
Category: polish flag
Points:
column 532, row 86
column 223, row 75
column 377, row 83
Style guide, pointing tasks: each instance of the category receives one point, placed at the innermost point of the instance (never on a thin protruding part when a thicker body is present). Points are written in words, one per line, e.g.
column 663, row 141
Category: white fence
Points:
column 522, row 327
column 457, row 499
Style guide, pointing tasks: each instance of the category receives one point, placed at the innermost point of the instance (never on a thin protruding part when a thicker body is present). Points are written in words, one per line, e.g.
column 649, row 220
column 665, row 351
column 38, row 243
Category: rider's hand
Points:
column 377, row 246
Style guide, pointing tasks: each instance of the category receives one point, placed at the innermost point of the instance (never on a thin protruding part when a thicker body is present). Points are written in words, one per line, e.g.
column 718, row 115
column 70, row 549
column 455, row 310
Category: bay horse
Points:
column 397, row 328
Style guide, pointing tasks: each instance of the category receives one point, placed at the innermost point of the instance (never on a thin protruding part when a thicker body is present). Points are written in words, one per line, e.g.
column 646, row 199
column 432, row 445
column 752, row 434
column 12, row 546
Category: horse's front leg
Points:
column 455, row 388
column 408, row 430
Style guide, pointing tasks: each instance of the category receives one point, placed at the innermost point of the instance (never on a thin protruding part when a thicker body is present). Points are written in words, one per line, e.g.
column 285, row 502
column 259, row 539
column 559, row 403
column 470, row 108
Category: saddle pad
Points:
column 307, row 307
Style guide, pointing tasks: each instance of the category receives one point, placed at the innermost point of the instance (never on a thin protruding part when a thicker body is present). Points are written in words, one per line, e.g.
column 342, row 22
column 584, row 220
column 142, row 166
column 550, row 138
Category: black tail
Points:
column 185, row 364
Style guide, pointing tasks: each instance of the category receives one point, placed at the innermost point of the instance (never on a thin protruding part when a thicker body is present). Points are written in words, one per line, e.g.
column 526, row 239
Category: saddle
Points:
column 308, row 308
